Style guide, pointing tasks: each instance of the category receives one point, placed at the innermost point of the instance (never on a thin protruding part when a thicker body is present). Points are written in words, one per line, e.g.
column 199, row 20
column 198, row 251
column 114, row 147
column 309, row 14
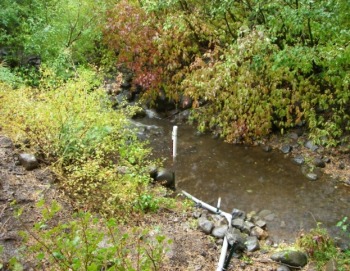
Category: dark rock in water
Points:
column 290, row 257
column 266, row 148
column 264, row 213
column 252, row 244
column 286, row 148
column 318, row 162
column 219, row 232
column 283, row 268
column 238, row 214
column 153, row 171
column 205, row 225
column 299, row 160
column 28, row 161
column 166, row 178
column 311, row 145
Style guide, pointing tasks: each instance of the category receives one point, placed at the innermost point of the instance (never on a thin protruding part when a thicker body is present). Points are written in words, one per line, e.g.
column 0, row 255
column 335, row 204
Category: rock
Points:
column 220, row 231
column 283, row 268
column 260, row 223
column 237, row 239
column 252, row 244
column 265, row 214
column 293, row 135
column 259, row 233
column 286, row 148
column 311, row 146
column 238, row 223
column 266, row 148
column 166, row 178
column 312, row 176
column 196, row 214
column 5, row 142
column 28, row 161
column 219, row 221
column 270, row 217
column 299, row 160
column 331, row 265
column 291, row 258
column 247, row 227
column 205, row 225
column 318, row 162
column 238, row 214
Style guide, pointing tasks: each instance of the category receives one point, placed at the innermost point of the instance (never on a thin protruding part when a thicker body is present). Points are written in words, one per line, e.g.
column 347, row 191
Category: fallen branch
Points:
column 219, row 212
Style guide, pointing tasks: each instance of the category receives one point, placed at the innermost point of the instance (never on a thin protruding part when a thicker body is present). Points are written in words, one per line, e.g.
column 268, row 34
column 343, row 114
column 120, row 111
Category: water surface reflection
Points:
column 250, row 179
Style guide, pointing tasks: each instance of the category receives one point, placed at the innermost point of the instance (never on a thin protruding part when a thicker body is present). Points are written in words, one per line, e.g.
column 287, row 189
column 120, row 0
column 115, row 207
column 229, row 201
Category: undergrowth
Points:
column 72, row 127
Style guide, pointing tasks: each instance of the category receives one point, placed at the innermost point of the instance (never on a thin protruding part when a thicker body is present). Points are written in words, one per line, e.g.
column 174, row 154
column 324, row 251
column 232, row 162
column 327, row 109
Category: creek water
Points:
column 250, row 179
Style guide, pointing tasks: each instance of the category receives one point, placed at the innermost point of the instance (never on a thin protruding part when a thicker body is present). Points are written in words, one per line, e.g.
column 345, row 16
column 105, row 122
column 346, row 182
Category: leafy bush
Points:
column 257, row 67
column 91, row 243
column 90, row 146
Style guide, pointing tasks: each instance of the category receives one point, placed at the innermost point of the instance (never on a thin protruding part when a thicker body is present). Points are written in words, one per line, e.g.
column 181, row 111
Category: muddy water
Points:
column 250, row 179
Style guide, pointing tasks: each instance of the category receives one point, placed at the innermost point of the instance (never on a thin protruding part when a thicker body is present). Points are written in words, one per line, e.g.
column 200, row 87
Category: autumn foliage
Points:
column 249, row 67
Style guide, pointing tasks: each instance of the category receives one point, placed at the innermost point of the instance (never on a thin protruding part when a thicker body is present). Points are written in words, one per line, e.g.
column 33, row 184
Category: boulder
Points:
column 166, row 178
column 291, row 258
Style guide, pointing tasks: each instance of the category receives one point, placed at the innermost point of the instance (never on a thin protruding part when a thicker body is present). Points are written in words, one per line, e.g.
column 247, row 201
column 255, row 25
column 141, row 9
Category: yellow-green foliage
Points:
column 74, row 128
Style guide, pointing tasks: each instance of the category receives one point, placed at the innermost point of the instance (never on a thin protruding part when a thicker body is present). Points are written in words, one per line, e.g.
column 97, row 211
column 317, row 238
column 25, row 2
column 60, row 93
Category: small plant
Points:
column 319, row 246
column 343, row 225
column 91, row 243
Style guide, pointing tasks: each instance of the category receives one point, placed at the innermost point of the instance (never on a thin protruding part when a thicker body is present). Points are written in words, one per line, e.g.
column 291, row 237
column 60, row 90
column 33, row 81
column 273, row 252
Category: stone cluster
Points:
column 244, row 233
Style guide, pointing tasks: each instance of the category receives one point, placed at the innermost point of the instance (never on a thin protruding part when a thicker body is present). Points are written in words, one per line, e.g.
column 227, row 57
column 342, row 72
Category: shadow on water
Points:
column 251, row 179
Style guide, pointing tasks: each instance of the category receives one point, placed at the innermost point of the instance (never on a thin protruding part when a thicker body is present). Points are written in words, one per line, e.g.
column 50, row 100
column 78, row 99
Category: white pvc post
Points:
column 174, row 138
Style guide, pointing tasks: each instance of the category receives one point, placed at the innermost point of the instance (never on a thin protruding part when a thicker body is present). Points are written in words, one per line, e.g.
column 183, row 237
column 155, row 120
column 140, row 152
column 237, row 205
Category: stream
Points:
column 250, row 179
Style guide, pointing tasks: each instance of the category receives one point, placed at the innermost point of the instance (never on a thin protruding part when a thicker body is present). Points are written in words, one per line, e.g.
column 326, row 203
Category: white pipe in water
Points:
column 174, row 138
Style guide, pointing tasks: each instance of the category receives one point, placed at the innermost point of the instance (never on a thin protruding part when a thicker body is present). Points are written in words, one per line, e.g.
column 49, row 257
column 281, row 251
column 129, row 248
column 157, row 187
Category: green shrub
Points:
column 90, row 243
column 90, row 146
